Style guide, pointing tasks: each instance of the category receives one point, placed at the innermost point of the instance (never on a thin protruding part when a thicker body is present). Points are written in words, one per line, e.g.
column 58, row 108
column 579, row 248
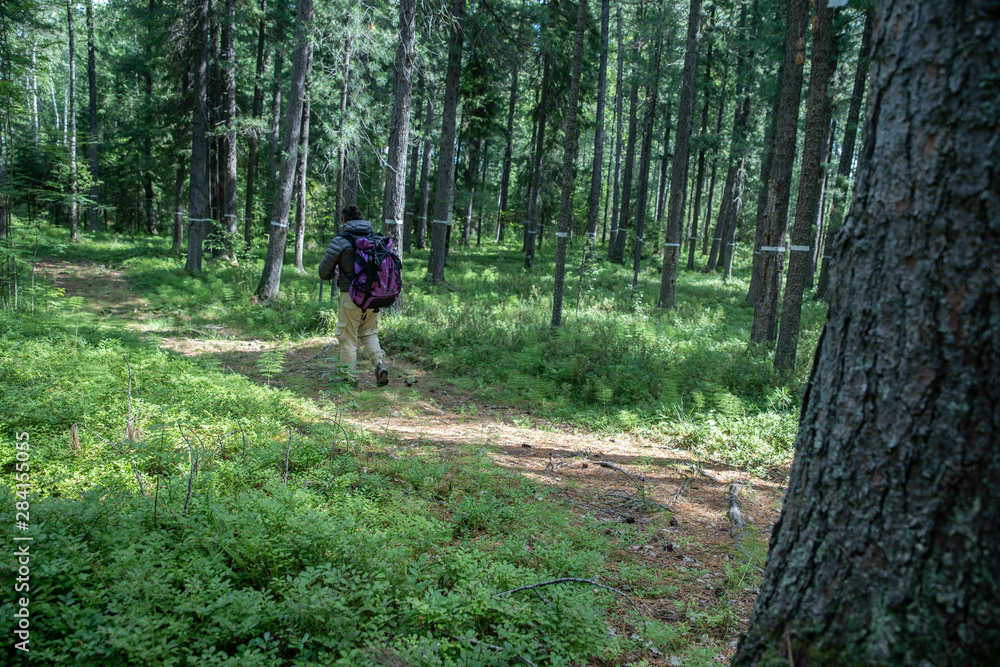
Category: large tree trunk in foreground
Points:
column 198, row 190
column 679, row 168
column 810, row 181
column 569, row 150
column 886, row 551
column 399, row 129
column 444, row 192
column 270, row 279
column 771, row 259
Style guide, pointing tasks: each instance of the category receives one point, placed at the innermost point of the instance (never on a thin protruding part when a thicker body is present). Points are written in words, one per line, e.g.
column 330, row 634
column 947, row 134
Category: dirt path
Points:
column 691, row 551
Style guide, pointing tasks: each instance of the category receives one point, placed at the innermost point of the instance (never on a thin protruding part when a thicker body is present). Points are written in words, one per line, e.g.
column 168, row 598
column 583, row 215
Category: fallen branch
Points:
column 612, row 466
column 735, row 514
column 564, row 580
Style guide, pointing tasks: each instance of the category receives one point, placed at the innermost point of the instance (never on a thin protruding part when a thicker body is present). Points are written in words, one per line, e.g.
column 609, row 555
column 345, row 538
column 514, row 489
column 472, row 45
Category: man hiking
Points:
column 353, row 323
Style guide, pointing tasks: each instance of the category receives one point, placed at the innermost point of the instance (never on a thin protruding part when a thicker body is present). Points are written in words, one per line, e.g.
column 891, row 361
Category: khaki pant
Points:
column 353, row 325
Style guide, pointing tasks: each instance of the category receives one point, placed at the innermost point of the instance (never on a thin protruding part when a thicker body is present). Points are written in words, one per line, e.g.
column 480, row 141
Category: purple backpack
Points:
column 378, row 278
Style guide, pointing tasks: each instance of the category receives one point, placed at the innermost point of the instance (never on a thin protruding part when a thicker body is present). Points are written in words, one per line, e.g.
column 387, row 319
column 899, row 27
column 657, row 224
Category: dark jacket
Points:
column 341, row 251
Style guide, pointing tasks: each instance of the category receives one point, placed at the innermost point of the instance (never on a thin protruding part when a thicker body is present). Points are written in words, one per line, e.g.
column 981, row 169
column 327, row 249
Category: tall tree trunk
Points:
column 301, row 172
column 619, row 99
column 178, row 240
column 270, row 280
column 616, row 248
column 507, row 157
column 399, row 129
column 198, row 190
column 342, row 146
column 598, row 169
column 646, row 159
column 706, row 239
column 425, row 171
column 444, row 193
column 74, row 233
column 482, row 199
column 215, row 118
column 841, row 189
column 886, row 549
column 92, row 87
column 228, row 193
column 273, row 142
column 412, row 167
column 824, row 59
column 831, row 131
column 471, row 169
column 739, row 150
column 34, row 93
column 569, row 155
column 679, row 168
column 534, row 194
column 700, row 171
column 772, row 242
column 255, row 112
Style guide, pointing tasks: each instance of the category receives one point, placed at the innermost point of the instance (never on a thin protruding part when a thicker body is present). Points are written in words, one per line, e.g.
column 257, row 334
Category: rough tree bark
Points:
column 92, row 88
column 824, row 62
column 270, row 280
column 399, row 129
column 886, row 549
column 842, row 188
column 74, row 233
column 444, row 191
column 772, row 227
column 569, row 154
column 679, row 168
column 198, row 188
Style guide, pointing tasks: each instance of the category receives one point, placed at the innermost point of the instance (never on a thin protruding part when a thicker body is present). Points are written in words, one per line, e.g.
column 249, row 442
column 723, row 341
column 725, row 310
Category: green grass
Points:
column 263, row 531
column 685, row 375
column 266, row 532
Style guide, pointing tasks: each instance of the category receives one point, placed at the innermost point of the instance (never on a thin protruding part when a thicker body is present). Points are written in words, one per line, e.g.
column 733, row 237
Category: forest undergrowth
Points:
column 183, row 510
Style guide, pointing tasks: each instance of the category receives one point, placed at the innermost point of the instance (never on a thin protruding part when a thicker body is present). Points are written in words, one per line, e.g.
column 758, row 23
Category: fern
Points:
column 271, row 363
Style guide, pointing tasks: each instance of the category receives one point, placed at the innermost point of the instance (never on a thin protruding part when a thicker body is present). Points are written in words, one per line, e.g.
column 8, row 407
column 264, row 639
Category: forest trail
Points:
column 693, row 553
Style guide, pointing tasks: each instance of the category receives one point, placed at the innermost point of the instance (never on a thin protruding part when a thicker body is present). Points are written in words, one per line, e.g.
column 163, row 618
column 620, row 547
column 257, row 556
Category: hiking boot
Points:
column 381, row 375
